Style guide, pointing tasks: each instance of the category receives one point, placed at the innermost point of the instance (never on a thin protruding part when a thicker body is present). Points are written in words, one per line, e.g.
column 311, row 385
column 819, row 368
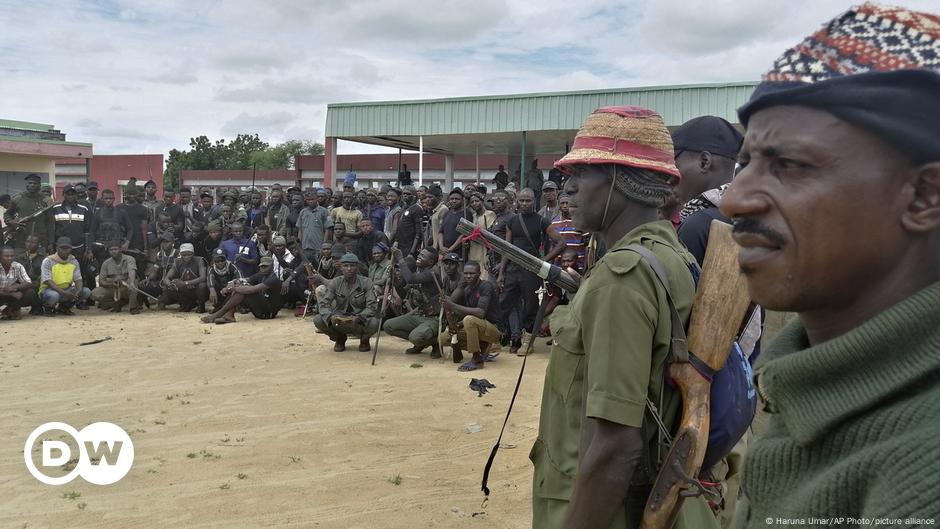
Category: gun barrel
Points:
column 543, row 269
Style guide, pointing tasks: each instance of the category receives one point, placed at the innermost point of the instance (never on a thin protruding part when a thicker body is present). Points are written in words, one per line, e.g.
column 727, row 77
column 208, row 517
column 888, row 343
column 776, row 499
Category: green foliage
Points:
column 244, row 152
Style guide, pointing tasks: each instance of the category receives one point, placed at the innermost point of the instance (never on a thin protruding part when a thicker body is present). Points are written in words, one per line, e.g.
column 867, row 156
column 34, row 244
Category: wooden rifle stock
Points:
column 721, row 301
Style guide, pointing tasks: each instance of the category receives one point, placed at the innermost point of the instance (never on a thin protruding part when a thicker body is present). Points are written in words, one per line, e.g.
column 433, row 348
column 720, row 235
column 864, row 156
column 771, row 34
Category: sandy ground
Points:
column 260, row 424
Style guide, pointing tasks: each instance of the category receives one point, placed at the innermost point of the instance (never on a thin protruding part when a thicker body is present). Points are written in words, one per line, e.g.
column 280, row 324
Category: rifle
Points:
column 527, row 261
column 720, row 303
column 451, row 321
column 388, row 283
column 139, row 291
column 310, row 272
column 11, row 230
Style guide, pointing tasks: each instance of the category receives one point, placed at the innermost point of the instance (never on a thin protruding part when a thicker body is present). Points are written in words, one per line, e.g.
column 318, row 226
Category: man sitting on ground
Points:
column 185, row 282
column 16, row 289
column 261, row 294
column 117, row 271
column 220, row 275
column 348, row 307
column 476, row 308
column 31, row 258
column 62, row 285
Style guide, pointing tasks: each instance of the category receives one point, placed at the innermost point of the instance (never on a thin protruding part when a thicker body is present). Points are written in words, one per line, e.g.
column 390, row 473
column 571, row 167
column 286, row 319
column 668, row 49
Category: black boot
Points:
column 435, row 351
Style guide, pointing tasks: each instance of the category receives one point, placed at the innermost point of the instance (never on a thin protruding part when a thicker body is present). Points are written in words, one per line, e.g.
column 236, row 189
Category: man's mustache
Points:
column 748, row 225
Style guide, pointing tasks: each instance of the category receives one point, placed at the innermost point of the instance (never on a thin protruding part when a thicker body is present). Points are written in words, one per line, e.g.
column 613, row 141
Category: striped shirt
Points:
column 16, row 274
column 575, row 239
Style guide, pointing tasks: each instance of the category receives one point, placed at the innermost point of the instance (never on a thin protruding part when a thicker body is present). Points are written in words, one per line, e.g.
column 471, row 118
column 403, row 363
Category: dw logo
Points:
column 105, row 453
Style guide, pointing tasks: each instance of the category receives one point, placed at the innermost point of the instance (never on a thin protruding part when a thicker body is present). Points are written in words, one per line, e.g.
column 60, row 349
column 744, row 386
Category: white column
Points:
column 449, row 172
column 478, row 163
column 420, row 161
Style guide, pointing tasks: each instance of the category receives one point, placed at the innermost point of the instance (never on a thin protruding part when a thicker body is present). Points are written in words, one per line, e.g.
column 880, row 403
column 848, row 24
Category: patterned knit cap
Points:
column 877, row 67
column 629, row 136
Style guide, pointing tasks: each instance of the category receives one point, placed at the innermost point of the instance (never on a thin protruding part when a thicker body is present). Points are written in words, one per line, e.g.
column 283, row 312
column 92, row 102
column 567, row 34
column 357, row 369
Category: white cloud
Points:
column 136, row 75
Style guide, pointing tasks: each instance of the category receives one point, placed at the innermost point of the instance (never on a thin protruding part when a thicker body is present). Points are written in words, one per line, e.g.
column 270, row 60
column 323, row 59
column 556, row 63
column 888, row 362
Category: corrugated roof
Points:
column 527, row 112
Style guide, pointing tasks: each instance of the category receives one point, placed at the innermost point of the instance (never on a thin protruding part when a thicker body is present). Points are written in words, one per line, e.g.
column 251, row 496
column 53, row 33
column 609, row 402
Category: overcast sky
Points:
column 143, row 76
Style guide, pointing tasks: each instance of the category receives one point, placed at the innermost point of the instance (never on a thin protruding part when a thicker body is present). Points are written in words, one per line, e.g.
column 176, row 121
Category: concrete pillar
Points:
column 449, row 172
column 478, row 163
column 329, row 162
column 420, row 161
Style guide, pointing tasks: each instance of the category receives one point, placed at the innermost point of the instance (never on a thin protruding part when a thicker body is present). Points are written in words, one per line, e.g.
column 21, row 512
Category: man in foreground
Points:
column 420, row 327
column 261, row 293
column 474, row 305
column 117, row 271
column 837, row 212
column 62, row 285
column 16, row 289
column 595, row 452
column 348, row 307
column 185, row 282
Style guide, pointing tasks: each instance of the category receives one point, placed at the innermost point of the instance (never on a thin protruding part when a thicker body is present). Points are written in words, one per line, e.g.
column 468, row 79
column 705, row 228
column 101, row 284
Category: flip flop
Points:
column 223, row 321
column 469, row 366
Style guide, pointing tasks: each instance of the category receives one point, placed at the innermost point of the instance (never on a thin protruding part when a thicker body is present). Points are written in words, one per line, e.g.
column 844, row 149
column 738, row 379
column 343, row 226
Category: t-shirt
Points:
column 136, row 213
column 64, row 273
column 482, row 296
column 536, row 226
column 118, row 270
column 349, row 217
column 449, row 233
column 110, row 224
column 498, row 228
column 245, row 248
column 408, row 228
column 694, row 231
column 313, row 223
column 187, row 271
column 273, row 293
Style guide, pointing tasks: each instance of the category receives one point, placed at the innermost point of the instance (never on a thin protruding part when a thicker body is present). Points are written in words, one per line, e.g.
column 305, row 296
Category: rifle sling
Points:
column 489, row 461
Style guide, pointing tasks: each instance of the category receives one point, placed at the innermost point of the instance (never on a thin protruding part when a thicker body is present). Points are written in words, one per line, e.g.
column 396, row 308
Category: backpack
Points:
column 732, row 397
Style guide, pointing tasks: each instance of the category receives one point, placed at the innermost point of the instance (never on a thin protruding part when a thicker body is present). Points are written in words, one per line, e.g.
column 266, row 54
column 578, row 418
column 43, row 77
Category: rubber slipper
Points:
column 469, row 366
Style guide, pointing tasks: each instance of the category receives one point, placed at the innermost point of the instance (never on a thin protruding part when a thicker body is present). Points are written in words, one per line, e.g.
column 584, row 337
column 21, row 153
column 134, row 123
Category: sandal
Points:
column 469, row 366
column 489, row 357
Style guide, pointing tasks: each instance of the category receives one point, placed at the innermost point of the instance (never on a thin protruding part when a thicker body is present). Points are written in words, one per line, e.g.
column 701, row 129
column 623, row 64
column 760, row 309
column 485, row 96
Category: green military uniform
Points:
column 341, row 298
column 619, row 323
column 24, row 204
column 378, row 274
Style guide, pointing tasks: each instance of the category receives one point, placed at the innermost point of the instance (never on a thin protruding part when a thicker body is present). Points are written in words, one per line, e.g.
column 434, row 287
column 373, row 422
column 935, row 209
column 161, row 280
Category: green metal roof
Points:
column 527, row 112
column 25, row 125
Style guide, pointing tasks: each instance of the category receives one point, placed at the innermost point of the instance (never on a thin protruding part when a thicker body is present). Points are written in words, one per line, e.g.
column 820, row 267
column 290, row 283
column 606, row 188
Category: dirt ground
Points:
column 261, row 424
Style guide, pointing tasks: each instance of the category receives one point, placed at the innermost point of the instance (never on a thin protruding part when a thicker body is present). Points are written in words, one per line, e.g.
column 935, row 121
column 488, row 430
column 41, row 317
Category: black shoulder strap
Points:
column 525, row 231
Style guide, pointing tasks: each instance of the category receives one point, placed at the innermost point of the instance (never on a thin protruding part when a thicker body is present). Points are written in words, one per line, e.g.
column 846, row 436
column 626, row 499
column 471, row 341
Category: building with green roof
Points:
column 520, row 125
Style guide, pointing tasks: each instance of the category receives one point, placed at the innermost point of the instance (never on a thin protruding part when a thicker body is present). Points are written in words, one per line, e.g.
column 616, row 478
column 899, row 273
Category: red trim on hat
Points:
column 624, row 147
column 629, row 111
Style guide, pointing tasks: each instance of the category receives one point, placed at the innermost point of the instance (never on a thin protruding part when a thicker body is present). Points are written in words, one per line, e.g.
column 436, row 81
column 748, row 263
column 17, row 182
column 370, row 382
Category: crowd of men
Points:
column 351, row 258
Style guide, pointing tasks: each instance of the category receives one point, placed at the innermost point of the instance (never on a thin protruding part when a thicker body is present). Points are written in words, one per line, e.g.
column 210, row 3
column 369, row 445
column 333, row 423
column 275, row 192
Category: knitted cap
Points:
column 876, row 67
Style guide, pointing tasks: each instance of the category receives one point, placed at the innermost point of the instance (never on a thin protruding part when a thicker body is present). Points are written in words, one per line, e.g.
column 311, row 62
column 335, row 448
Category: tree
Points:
column 243, row 152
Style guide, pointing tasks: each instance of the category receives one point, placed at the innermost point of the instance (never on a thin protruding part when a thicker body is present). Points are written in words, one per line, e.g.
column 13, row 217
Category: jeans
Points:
column 51, row 298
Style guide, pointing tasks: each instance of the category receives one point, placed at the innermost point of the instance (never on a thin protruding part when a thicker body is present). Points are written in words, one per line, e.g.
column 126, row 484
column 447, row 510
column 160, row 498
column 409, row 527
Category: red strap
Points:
column 477, row 235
